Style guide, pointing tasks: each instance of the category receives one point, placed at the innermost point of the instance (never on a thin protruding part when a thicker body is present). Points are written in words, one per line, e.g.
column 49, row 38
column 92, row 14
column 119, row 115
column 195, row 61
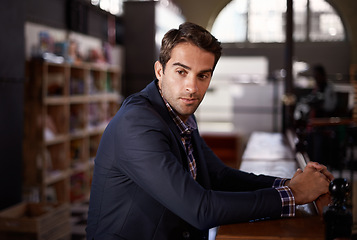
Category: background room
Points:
column 66, row 67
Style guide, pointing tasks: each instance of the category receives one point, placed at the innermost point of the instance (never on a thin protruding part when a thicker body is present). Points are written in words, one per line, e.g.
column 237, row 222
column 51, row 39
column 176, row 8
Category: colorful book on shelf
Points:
column 78, row 183
column 55, row 84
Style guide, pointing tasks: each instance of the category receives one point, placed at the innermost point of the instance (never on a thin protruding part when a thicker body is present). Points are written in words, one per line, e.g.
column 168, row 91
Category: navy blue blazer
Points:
column 142, row 188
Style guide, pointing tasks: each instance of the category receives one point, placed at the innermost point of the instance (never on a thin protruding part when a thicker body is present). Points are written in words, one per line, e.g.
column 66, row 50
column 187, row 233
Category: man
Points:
column 323, row 97
column 321, row 102
column 154, row 176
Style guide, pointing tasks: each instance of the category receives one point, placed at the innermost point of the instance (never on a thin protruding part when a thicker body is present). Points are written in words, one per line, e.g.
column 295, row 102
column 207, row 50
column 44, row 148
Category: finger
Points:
column 322, row 201
column 326, row 182
column 316, row 165
column 328, row 174
column 298, row 171
column 321, row 168
column 311, row 169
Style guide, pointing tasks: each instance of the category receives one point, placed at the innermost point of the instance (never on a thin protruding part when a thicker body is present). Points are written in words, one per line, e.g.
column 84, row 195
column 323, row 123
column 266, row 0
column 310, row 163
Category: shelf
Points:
column 79, row 134
column 51, row 139
column 80, row 167
column 55, row 176
column 103, row 97
column 67, row 108
column 79, row 99
column 56, row 100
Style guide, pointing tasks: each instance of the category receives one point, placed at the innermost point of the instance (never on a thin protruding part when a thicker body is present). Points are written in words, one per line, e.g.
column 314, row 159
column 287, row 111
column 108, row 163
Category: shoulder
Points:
column 137, row 109
column 330, row 86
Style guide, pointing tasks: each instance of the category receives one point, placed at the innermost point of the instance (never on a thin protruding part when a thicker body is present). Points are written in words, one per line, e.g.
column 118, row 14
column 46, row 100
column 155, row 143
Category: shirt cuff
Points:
column 279, row 182
column 287, row 200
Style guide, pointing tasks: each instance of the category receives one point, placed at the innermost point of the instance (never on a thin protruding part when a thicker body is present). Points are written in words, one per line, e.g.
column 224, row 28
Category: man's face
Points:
column 186, row 78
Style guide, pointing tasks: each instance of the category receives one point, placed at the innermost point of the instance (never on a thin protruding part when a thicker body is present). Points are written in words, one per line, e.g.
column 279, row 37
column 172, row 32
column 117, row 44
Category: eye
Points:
column 204, row 76
column 181, row 72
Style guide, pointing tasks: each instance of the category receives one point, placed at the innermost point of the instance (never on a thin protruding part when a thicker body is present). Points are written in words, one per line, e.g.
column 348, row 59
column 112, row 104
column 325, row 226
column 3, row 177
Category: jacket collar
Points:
column 158, row 104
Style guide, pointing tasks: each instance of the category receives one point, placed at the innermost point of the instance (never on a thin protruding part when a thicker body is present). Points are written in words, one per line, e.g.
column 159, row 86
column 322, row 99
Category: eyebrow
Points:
column 210, row 70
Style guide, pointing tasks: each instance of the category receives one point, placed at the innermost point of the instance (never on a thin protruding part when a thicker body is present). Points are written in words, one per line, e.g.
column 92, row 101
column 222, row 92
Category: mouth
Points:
column 189, row 100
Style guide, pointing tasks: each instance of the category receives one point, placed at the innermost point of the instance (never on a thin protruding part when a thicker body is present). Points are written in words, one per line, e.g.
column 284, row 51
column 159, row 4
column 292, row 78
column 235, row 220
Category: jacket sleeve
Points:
column 224, row 178
column 147, row 152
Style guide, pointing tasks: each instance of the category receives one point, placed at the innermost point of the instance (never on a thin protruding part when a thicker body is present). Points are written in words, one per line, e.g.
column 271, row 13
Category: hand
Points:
column 321, row 168
column 311, row 183
column 318, row 167
column 323, row 201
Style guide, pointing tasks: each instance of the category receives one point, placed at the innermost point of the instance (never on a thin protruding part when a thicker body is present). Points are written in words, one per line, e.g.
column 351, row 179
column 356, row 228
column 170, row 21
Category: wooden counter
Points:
column 306, row 227
column 269, row 153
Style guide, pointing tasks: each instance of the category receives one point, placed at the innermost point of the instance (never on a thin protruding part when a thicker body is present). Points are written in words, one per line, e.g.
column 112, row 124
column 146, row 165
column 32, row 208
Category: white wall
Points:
column 240, row 99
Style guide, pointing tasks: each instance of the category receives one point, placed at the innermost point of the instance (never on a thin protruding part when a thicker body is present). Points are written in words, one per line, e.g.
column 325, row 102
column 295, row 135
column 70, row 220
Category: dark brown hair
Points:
column 192, row 33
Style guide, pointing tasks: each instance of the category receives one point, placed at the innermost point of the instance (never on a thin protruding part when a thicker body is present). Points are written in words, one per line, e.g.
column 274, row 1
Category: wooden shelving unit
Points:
column 67, row 108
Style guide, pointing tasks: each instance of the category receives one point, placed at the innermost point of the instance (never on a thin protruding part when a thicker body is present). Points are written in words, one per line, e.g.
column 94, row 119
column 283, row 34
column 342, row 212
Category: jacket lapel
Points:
column 156, row 100
column 158, row 104
column 202, row 170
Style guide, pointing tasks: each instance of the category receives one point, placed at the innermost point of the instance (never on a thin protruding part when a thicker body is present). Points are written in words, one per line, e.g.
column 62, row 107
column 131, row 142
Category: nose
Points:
column 191, row 85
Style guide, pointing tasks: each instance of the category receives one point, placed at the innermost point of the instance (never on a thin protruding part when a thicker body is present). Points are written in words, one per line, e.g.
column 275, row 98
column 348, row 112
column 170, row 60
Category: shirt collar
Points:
column 185, row 128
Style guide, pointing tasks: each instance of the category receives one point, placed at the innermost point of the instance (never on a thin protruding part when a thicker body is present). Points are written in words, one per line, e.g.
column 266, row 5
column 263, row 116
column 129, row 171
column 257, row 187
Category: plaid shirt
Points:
column 185, row 133
column 287, row 198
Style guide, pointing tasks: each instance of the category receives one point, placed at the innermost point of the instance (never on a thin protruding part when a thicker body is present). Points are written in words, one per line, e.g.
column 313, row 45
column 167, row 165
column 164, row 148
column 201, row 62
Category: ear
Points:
column 158, row 70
